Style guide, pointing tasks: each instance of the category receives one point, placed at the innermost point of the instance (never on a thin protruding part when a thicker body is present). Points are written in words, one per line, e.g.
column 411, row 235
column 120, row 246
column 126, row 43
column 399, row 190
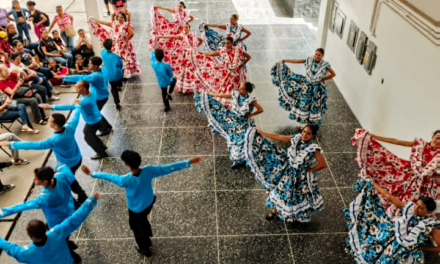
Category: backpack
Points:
column 38, row 13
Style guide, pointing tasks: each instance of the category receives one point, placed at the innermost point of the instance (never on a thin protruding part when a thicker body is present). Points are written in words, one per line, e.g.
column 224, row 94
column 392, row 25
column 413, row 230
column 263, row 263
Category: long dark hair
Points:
column 314, row 128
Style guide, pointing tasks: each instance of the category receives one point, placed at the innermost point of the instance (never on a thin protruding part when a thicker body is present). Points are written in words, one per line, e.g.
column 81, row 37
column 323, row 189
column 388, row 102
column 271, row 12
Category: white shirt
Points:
column 78, row 40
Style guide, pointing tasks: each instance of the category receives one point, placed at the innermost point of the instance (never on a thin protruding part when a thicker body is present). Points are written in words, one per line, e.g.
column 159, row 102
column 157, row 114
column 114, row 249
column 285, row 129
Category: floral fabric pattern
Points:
column 306, row 100
column 119, row 33
column 376, row 238
column 405, row 179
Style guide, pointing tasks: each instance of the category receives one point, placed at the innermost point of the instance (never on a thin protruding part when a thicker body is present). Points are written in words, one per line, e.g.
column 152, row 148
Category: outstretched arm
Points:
column 120, row 180
column 220, row 95
column 170, row 37
column 275, row 136
column 393, row 141
column 166, row 9
column 216, row 26
column 13, row 250
column 162, row 170
column 109, row 24
column 322, row 164
column 210, row 54
column 294, row 61
column 248, row 34
column 259, row 110
column 18, row 208
column 398, row 203
column 435, row 233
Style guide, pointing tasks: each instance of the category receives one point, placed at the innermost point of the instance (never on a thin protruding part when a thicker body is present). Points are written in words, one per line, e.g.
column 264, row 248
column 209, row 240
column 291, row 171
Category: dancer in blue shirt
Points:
column 63, row 144
column 139, row 191
column 113, row 65
column 164, row 75
column 92, row 116
column 50, row 247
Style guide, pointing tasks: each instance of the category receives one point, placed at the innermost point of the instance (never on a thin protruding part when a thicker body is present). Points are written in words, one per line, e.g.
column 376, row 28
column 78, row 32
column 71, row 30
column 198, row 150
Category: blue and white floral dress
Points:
column 283, row 174
column 231, row 123
column 212, row 40
column 375, row 238
column 305, row 97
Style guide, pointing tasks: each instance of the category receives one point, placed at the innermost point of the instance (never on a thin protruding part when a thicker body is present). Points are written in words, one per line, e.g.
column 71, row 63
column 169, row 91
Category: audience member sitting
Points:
column 12, row 85
column 56, row 37
column 14, row 35
column 84, row 47
column 32, row 62
column 57, row 70
column 5, row 187
column 53, row 51
column 9, row 111
column 5, row 47
column 79, row 66
column 15, row 153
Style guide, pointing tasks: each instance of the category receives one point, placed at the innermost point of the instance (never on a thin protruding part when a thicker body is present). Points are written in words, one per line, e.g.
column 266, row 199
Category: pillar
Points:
column 95, row 8
column 323, row 22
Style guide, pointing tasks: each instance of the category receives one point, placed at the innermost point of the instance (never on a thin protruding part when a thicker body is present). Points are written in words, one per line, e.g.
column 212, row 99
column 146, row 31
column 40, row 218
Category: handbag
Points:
column 70, row 31
column 13, row 106
column 25, row 92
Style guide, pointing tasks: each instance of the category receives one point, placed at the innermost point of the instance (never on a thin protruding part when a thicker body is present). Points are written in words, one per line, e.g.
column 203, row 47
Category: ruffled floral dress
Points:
column 292, row 190
column 376, row 238
column 119, row 33
column 231, row 123
column 215, row 77
column 407, row 180
column 213, row 40
column 305, row 97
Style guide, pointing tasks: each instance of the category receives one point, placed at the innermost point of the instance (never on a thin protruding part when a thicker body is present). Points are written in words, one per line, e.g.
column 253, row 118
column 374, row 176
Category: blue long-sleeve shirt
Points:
column 164, row 72
column 55, row 250
column 139, row 189
column 56, row 203
column 113, row 64
column 63, row 144
column 98, row 81
column 89, row 108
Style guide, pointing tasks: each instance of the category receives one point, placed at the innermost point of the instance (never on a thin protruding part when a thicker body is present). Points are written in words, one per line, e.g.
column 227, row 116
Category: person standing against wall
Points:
column 65, row 23
column 40, row 19
column 19, row 14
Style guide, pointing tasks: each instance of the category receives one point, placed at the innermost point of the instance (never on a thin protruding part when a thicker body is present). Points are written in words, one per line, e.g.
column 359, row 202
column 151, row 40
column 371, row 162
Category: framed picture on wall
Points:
column 340, row 23
column 335, row 8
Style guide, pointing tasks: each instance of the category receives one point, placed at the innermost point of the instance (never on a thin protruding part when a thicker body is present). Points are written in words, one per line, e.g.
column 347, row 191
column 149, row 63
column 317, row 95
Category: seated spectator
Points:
column 31, row 77
column 5, row 48
column 7, row 112
column 53, row 51
column 79, row 66
column 84, row 47
column 15, row 153
column 32, row 62
column 56, row 37
column 57, row 70
column 14, row 35
column 12, row 85
column 5, row 187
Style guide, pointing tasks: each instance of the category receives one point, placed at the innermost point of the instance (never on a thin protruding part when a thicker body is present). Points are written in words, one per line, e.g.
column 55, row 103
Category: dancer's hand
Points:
column 96, row 196
column 85, row 170
column 76, row 101
column 4, row 143
column 44, row 106
column 195, row 160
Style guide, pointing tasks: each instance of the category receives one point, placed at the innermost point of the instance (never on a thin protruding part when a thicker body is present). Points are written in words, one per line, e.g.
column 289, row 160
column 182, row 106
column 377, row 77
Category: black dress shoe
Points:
column 5, row 165
column 169, row 97
column 104, row 133
column 7, row 187
column 146, row 252
column 167, row 109
column 118, row 107
column 100, row 156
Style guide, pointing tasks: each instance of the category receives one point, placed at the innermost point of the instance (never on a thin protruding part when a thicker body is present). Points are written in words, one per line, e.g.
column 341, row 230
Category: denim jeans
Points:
column 65, row 60
column 20, row 113
column 70, row 42
column 41, row 90
column 24, row 28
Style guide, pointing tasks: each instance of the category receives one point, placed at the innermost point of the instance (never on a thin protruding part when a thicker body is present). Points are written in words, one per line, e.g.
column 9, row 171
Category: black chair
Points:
column 40, row 53
column 11, row 122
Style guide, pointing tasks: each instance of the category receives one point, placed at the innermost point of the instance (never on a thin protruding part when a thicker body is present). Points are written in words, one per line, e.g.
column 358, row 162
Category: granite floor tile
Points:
column 260, row 74
column 184, row 214
column 260, row 44
column 108, row 220
column 255, row 249
column 260, row 32
column 214, row 5
column 345, row 170
column 220, row 146
column 185, row 115
column 141, row 116
column 264, row 58
column 151, row 94
column 286, row 31
column 336, row 138
column 197, row 178
column 329, row 220
column 333, row 92
column 244, row 212
column 265, row 92
column 348, row 194
column 274, row 115
column 184, row 250
column 299, row 43
column 109, row 251
column 187, row 141
column 223, row 14
column 145, row 141
column 321, row 248
column 338, row 112
column 233, row 178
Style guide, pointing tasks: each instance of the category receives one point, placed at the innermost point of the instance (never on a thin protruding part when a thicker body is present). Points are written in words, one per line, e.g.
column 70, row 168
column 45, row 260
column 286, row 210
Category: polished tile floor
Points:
column 210, row 213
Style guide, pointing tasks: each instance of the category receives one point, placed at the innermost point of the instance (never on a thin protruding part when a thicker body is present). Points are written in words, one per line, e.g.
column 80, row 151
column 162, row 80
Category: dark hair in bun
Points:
column 314, row 128
column 430, row 203
column 183, row 4
column 249, row 87
column 436, row 132
column 231, row 39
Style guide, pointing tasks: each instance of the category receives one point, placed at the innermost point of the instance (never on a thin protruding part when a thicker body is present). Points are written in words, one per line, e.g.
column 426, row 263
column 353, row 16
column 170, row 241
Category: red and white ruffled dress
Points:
column 186, row 78
column 407, row 180
column 119, row 33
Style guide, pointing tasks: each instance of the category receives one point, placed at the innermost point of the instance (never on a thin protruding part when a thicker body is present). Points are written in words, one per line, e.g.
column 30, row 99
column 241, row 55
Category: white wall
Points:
column 407, row 105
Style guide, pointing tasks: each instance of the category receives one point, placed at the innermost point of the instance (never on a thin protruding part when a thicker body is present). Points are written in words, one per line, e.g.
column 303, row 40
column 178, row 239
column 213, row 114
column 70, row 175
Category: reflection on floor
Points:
column 210, row 213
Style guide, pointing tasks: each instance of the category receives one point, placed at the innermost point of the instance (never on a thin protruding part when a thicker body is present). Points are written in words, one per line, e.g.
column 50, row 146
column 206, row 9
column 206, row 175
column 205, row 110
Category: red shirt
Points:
column 10, row 82
column 6, row 47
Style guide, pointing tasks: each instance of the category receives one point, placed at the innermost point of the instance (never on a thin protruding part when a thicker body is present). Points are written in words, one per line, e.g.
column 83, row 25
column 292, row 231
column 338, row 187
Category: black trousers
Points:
column 92, row 139
column 114, row 89
column 76, row 188
column 101, row 103
column 141, row 226
column 166, row 90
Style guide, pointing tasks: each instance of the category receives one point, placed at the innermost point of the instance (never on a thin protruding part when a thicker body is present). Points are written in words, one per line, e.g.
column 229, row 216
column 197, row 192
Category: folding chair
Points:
column 11, row 122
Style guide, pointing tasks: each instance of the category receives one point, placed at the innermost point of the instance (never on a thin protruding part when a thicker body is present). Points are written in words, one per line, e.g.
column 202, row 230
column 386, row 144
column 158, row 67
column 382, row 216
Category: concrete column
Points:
column 323, row 22
column 95, row 8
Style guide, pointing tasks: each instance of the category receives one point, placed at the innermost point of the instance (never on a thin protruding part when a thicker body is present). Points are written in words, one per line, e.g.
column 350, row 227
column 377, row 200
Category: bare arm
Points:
column 71, row 19
column 43, row 19
column 51, row 25
column 393, row 141
column 248, row 58
column 191, row 19
column 398, row 203
column 166, row 9
column 130, row 33
column 216, row 26
column 331, row 76
column 275, row 136
column 248, row 34
column 220, row 95
column 43, row 48
column 170, row 37
column 200, row 41
column 259, row 110
column 322, row 164
column 294, row 61
column 435, row 233
column 109, row 24
column 210, row 54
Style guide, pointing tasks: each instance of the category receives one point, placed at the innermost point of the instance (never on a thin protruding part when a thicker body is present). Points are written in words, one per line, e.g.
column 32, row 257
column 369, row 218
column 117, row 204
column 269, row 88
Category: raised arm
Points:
column 170, row 37
column 162, row 170
column 18, row 208
column 393, row 141
column 216, row 26
column 248, row 34
column 331, row 76
column 109, row 24
column 275, row 136
column 398, row 203
column 166, row 9
column 322, row 164
column 435, row 233
column 13, row 250
column 259, row 109
column 211, row 54
column 294, row 61
column 220, row 95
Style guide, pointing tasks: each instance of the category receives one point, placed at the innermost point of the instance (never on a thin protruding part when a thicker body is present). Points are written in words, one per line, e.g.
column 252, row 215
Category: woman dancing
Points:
column 178, row 55
column 305, row 97
column 223, row 77
column 405, row 179
column 376, row 238
column 121, row 33
column 231, row 123
column 287, row 175
column 161, row 26
column 214, row 40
